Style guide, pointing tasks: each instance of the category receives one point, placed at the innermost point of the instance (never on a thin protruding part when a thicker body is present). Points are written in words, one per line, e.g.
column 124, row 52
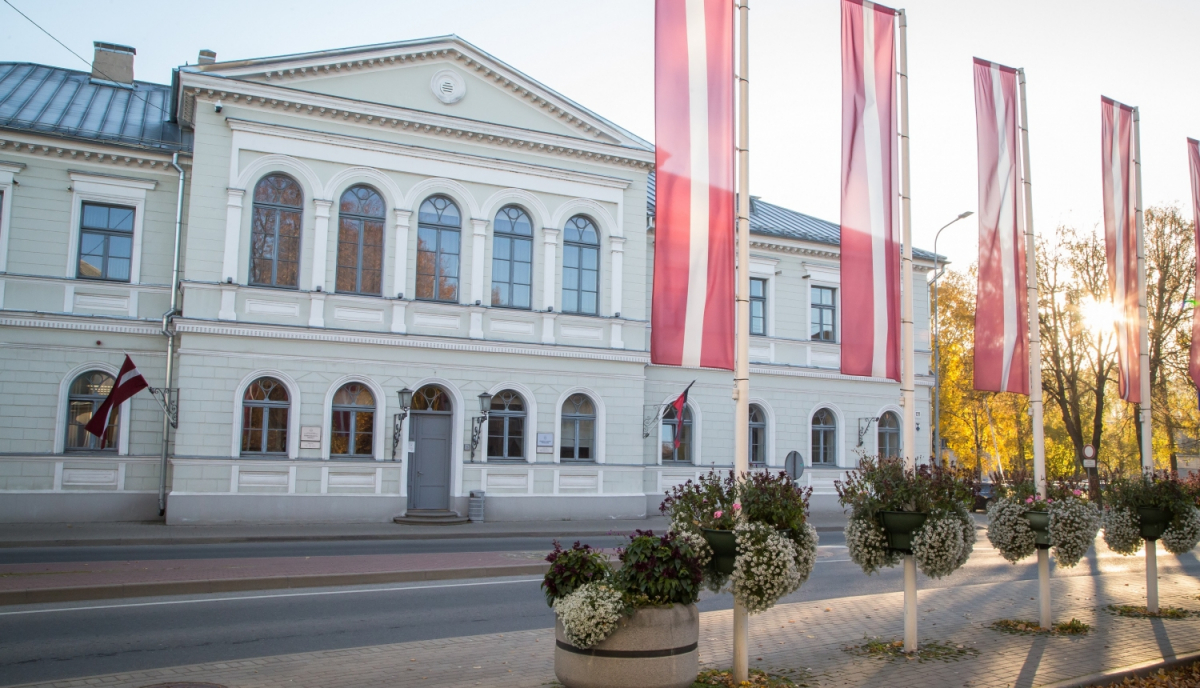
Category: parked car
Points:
column 985, row 496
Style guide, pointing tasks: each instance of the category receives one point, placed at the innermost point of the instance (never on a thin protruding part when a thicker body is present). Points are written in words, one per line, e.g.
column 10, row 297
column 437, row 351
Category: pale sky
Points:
column 600, row 53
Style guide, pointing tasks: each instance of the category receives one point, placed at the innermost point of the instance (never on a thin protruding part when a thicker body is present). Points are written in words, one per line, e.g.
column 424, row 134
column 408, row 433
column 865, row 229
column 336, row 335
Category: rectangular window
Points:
column 437, row 264
column 824, row 313
column 512, row 271
column 581, row 278
column 105, row 242
column 758, row 306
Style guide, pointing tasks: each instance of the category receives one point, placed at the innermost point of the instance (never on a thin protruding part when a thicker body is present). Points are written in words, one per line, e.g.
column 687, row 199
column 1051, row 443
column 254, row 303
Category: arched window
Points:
column 671, row 426
column 87, row 392
column 431, row 399
column 824, row 437
column 438, row 238
column 506, row 427
column 578, row 439
column 275, row 232
column 512, row 258
column 758, row 435
column 581, row 266
column 352, row 432
column 889, row 434
column 265, row 407
column 360, row 241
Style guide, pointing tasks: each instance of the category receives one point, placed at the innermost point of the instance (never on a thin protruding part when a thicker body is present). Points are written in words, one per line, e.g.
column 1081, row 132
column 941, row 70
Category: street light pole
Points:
column 937, row 357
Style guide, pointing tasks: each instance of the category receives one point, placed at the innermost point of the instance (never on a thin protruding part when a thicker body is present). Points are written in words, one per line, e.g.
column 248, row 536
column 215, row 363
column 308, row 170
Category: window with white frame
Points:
column 265, row 408
column 824, row 437
column 275, row 232
column 581, row 267
column 105, row 242
column 352, row 428
column 512, row 258
column 360, row 242
column 824, row 314
column 439, row 226
column 673, row 426
column 758, row 435
column 758, row 306
column 506, row 427
column 577, row 441
column 86, row 393
column 888, row 434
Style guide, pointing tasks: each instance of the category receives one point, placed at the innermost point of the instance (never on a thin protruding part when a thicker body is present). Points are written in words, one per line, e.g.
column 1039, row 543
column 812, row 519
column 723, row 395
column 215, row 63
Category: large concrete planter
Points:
column 656, row 647
column 1154, row 521
column 900, row 526
column 1039, row 523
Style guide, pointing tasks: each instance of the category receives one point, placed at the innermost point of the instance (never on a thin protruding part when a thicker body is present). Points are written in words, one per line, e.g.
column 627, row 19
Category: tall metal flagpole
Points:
column 1035, row 353
column 741, row 393
column 908, row 398
column 1144, row 358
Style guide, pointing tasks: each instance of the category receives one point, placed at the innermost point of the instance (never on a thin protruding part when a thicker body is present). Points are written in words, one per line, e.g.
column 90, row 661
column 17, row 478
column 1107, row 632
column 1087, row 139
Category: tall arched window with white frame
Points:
column 824, row 438
column 506, row 427
column 512, row 258
column 758, row 436
column 275, row 232
column 87, row 392
column 360, row 241
column 439, row 236
column 888, row 434
column 352, row 427
column 265, row 408
column 673, row 426
column 577, row 441
column 581, row 267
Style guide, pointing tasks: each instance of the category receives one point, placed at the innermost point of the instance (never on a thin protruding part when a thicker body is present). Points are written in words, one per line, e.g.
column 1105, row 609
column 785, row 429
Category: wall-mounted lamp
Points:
column 398, row 419
column 485, row 405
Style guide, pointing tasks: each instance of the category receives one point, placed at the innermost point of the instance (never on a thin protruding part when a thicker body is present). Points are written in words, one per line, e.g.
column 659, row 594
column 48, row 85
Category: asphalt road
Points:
column 48, row 642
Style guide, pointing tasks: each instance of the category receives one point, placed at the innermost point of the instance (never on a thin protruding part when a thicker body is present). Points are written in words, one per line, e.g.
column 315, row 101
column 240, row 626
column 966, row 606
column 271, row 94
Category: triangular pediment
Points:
column 443, row 76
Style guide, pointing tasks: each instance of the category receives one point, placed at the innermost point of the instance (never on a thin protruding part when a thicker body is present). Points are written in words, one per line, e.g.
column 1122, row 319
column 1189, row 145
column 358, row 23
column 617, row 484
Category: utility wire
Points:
column 134, row 93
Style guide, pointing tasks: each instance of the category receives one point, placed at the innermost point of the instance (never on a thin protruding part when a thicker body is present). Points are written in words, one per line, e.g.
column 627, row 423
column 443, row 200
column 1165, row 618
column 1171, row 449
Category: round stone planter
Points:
column 1039, row 523
column 900, row 526
column 656, row 647
column 724, row 548
column 1154, row 521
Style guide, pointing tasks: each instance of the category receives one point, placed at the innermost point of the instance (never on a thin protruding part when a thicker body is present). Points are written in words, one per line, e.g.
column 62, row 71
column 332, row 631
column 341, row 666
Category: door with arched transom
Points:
column 429, row 462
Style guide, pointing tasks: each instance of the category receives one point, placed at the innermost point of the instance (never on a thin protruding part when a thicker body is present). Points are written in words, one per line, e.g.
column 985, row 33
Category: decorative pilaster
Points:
column 233, row 234
column 479, row 235
column 399, row 308
column 549, row 266
column 548, row 327
column 316, row 309
column 476, row 331
column 320, row 242
column 617, row 260
column 400, row 265
column 228, row 302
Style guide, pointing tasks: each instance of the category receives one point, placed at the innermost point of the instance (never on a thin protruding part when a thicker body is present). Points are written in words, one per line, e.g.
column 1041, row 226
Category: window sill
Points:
column 103, row 280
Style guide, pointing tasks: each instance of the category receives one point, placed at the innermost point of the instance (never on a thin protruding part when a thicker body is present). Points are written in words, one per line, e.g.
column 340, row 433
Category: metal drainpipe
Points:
column 166, row 321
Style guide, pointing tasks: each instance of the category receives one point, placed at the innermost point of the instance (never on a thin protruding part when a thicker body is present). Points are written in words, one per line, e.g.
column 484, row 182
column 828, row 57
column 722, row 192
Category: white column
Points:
column 479, row 235
column 400, row 264
column 549, row 266
column 908, row 399
column 1044, row 612
column 910, row 603
column 1143, row 318
column 320, row 242
column 233, row 234
column 617, row 258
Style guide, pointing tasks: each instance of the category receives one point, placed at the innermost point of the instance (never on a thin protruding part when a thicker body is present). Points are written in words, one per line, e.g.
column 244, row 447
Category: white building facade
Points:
column 412, row 216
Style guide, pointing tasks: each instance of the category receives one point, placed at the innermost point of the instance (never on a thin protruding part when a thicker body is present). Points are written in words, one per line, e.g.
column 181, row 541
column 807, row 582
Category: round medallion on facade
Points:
column 448, row 86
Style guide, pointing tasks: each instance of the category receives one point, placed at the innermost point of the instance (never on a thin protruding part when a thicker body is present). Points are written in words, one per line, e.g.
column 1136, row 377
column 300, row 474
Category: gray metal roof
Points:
column 772, row 220
column 68, row 103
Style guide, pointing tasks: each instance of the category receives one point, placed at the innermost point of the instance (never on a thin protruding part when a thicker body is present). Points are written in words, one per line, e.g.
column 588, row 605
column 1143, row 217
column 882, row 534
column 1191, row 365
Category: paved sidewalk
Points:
column 808, row 636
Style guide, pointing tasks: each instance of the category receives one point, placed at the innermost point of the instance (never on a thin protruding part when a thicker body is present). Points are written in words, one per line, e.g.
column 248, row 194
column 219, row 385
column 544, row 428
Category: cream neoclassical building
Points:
column 416, row 217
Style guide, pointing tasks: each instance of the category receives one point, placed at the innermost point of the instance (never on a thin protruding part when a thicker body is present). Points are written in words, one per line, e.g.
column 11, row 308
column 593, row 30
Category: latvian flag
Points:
column 1121, row 240
column 1001, row 310
column 1194, row 357
column 692, row 317
column 870, row 243
column 129, row 382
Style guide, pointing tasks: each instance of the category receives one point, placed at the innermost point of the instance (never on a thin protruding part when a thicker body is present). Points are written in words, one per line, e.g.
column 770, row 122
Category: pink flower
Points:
column 1029, row 500
column 717, row 514
column 1049, row 501
column 737, row 506
column 1077, row 493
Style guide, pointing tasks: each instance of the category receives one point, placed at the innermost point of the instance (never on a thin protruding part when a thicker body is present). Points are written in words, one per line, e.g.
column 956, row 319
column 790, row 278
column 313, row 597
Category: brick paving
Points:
column 807, row 636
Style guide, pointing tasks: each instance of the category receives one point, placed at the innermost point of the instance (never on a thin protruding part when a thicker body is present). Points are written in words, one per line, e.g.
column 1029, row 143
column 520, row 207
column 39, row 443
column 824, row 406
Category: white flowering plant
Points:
column 941, row 545
column 1073, row 522
column 590, row 613
column 1152, row 489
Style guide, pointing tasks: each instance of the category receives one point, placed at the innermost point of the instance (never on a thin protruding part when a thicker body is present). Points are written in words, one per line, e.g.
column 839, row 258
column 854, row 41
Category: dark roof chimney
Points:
column 113, row 62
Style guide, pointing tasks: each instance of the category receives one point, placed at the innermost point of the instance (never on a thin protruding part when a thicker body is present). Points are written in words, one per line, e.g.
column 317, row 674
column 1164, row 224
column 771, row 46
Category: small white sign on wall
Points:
column 545, row 443
column 310, row 437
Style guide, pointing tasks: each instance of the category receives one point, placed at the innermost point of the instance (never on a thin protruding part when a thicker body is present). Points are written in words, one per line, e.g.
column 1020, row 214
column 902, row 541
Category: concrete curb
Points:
column 1106, row 678
column 202, row 587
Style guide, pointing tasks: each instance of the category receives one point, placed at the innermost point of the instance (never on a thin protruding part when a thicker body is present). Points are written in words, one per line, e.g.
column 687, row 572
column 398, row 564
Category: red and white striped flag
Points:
column 870, row 235
column 1120, row 240
column 692, row 320
column 129, row 382
column 1001, row 302
column 1194, row 356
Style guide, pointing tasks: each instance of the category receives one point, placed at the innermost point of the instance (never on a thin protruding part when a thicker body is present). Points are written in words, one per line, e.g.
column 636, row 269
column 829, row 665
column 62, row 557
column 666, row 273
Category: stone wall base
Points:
column 78, row 507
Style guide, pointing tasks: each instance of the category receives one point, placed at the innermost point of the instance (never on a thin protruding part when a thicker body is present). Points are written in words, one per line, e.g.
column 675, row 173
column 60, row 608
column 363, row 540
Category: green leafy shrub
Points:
column 661, row 569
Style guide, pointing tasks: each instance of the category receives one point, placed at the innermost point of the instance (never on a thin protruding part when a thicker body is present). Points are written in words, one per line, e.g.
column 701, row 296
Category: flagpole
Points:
column 1035, row 354
column 741, row 458
column 908, row 398
column 1144, row 358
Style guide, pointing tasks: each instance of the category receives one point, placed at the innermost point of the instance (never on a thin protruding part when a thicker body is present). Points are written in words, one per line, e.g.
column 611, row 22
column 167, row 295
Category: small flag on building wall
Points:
column 870, row 243
column 692, row 318
column 1120, row 240
column 679, row 404
column 129, row 382
column 1001, row 309
column 1194, row 356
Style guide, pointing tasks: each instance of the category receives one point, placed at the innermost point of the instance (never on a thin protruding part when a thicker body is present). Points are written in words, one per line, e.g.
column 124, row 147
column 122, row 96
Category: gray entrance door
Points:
column 429, row 465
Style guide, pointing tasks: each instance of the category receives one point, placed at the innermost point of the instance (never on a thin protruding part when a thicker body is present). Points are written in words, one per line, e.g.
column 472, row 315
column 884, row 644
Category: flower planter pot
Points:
column 1154, row 521
column 724, row 548
column 1039, row 523
column 656, row 647
column 900, row 526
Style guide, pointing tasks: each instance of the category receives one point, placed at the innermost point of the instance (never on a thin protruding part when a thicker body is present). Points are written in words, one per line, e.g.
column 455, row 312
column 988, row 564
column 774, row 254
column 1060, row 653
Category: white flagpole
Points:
column 741, row 454
column 907, row 381
column 1035, row 354
column 1144, row 358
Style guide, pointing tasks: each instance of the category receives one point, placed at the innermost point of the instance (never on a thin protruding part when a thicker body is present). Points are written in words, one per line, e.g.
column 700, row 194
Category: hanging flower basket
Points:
column 1039, row 523
column 1153, row 521
column 900, row 526
column 724, row 548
